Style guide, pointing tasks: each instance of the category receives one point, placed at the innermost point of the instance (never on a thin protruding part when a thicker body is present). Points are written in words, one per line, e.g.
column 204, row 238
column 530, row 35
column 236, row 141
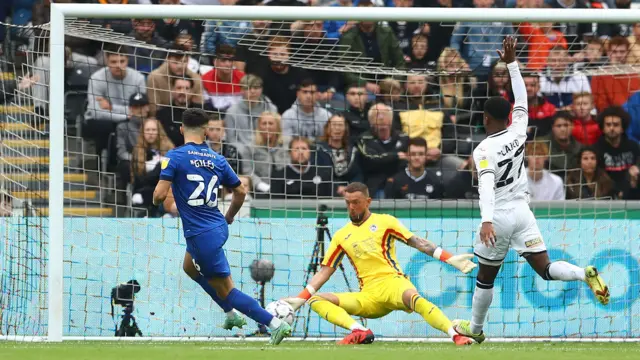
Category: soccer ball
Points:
column 282, row 310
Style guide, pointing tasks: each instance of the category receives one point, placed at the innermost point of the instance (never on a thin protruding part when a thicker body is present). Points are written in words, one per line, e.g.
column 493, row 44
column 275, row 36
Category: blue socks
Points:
column 248, row 306
column 224, row 304
column 237, row 300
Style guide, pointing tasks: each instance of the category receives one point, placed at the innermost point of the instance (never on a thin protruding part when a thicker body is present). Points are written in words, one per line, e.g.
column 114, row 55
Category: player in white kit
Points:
column 507, row 221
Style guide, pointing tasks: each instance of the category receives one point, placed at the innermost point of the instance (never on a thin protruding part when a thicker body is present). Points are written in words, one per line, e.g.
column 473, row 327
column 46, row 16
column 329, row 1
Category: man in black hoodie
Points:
column 621, row 155
column 356, row 114
column 301, row 178
column 171, row 116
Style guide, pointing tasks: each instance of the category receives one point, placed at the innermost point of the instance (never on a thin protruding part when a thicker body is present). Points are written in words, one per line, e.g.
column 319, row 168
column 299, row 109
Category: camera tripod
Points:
column 128, row 326
column 316, row 259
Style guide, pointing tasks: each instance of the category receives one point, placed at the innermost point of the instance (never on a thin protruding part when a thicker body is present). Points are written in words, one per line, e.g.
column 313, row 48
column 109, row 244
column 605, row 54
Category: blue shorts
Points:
column 207, row 253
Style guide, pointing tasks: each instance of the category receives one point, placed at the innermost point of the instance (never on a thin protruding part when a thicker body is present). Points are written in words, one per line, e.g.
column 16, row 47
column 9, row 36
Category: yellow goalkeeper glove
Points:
column 461, row 262
column 296, row 302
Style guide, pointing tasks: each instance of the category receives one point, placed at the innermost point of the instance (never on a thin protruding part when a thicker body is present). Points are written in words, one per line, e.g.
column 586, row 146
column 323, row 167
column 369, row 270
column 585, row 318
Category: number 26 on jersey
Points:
column 210, row 198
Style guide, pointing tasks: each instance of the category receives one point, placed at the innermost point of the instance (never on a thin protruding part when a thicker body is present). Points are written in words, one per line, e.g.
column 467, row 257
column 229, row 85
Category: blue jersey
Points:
column 196, row 172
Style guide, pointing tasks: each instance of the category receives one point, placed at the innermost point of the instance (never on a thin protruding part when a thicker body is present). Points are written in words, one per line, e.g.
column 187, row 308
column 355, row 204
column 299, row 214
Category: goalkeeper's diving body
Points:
column 368, row 240
column 190, row 176
column 507, row 220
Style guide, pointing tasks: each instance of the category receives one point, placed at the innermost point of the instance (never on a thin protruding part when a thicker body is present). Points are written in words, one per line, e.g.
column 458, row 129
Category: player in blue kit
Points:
column 192, row 173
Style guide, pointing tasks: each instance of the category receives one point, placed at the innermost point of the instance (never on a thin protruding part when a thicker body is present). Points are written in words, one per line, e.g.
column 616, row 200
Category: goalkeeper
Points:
column 369, row 243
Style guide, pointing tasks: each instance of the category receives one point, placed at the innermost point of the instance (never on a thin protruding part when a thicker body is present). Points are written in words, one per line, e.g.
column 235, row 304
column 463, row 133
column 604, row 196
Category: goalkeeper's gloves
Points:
column 299, row 300
column 461, row 262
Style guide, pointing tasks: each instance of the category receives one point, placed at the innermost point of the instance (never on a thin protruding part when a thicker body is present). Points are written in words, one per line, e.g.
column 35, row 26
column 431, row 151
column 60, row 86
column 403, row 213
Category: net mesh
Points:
column 435, row 90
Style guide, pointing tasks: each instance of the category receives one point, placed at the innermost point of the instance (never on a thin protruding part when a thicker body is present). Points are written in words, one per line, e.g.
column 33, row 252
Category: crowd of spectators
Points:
column 294, row 132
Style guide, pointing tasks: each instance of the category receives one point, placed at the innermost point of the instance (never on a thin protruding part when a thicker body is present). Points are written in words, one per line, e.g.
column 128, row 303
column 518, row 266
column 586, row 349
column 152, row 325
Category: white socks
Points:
column 356, row 326
column 231, row 314
column 452, row 332
column 482, row 298
column 275, row 323
column 562, row 270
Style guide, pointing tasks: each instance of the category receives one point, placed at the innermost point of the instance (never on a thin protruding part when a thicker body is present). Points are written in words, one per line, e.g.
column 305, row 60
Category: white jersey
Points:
column 499, row 158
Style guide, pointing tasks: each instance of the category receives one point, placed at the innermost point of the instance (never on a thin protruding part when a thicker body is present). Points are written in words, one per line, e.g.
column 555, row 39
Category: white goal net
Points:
column 300, row 109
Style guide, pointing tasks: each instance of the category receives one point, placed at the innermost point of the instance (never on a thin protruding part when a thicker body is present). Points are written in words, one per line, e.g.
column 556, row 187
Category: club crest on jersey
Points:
column 429, row 188
column 373, row 228
column 509, row 147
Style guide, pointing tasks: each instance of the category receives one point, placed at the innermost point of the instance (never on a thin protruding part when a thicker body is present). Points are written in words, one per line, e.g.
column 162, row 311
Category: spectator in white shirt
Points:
column 543, row 185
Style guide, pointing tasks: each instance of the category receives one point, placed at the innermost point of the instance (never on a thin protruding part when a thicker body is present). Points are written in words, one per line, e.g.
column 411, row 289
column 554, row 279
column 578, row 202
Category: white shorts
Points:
column 515, row 228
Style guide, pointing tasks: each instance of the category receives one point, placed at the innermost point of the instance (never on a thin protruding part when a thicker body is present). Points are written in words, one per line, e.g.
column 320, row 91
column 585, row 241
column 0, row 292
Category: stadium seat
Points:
column 75, row 106
column 110, row 161
column 79, row 78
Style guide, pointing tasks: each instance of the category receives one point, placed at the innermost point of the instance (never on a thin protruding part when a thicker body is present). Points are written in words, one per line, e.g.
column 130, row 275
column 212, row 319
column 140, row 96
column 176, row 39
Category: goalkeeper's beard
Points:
column 357, row 218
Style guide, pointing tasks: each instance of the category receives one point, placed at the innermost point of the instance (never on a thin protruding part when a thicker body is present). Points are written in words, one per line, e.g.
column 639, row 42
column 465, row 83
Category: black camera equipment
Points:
column 261, row 272
column 124, row 295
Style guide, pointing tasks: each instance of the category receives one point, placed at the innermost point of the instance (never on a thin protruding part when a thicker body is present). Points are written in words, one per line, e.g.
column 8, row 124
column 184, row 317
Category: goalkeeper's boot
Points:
column 358, row 337
column 597, row 285
column 462, row 340
column 277, row 335
column 463, row 327
column 236, row 321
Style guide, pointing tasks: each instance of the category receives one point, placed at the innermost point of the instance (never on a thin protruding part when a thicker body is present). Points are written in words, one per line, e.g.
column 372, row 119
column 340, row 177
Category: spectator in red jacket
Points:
column 540, row 39
column 540, row 109
column 222, row 84
column 614, row 90
column 586, row 129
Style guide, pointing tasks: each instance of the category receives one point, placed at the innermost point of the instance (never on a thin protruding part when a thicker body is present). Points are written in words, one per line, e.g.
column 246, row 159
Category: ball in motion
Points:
column 282, row 310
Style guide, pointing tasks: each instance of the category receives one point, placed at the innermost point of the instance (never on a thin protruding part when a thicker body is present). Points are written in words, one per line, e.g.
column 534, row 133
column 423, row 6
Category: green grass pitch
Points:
column 315, row 350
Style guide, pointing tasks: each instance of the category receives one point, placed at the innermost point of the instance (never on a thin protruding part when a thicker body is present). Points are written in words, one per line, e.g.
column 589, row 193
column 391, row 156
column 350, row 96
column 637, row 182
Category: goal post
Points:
column 61, row 12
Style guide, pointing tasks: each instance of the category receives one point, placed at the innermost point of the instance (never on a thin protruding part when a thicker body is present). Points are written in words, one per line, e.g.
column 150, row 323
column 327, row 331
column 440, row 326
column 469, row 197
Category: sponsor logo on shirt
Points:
column 533, row 243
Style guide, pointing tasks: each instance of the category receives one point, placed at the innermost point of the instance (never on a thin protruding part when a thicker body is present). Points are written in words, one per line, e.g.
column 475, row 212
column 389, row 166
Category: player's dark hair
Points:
column 194, row 118
column 616, row 111
column 418, row 141
column 357, row 187
column 561, row 115
column 498, row 108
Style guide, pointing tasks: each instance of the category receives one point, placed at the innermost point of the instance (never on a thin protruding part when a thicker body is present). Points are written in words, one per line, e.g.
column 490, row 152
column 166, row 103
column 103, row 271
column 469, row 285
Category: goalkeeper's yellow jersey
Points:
column 370, row 246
